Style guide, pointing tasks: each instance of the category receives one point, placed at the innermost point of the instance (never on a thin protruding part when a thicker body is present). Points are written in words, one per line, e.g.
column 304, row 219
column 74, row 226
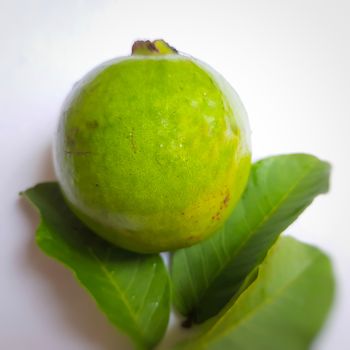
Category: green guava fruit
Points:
column 152, row 150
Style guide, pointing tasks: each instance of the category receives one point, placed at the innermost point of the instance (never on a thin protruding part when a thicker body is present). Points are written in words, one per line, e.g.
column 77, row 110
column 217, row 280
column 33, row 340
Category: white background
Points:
column 288, row 60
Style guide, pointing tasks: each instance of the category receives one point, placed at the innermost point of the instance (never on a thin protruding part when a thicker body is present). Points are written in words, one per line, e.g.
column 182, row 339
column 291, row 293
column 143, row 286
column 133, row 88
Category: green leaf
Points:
column 284, row 308
column 207, row 275
column 132, row 290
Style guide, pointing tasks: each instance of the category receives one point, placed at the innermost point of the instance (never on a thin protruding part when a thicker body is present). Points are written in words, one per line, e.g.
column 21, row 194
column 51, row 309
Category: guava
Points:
column 153, row 149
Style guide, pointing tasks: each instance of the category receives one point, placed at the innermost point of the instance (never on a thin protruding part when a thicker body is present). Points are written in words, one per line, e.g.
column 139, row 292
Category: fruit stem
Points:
column 152, row 48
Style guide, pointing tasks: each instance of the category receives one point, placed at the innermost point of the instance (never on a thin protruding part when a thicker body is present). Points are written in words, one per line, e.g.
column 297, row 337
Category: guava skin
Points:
column 151, row 153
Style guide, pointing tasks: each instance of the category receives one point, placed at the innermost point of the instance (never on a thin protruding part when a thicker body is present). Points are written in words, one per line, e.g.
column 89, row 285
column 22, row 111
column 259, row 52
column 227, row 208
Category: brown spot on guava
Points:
column 216, row 217
column 70, row 140
column 132, row 141
column 93, row 124
column 226, row 199
column 71, row 137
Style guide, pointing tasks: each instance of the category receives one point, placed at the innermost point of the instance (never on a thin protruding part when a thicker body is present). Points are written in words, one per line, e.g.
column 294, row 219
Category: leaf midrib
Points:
column 269, row 300
column 120, row 292
column 253, row 231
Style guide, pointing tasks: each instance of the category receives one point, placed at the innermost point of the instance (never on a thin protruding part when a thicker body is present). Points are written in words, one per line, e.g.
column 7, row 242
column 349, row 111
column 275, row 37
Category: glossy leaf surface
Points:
column 207, row 275
column 132, row 290
column 284, row 308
